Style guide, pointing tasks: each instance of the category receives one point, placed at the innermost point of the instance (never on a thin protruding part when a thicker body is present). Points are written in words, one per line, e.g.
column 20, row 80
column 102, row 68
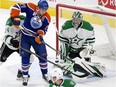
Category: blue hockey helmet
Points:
column 43, row 4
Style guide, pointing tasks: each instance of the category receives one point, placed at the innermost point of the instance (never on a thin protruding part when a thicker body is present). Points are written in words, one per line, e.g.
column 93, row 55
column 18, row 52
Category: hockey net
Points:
column 103, row 23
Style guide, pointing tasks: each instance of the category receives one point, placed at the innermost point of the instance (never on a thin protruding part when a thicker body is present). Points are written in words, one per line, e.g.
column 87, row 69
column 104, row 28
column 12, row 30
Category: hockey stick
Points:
column 52, row 49
column 47, row 44
column 58, row 52
column 80, row 76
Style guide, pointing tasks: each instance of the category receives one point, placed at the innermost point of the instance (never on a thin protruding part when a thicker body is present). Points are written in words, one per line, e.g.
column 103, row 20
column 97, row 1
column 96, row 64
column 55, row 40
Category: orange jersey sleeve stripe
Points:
column 48, row 17
column 32, row 6
column 14, row 12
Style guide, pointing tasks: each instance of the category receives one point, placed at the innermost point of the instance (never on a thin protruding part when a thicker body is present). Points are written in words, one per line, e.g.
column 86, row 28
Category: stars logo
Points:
column 75, row 40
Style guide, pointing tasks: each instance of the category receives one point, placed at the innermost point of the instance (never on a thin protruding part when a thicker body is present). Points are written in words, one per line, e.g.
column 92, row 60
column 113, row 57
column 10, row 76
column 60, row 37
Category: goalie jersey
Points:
column 12, row 32
column 77, row 38
column 65, row 83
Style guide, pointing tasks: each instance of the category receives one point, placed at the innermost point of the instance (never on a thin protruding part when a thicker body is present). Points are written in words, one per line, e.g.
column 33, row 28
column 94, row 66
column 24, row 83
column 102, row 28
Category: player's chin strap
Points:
column 79, row 76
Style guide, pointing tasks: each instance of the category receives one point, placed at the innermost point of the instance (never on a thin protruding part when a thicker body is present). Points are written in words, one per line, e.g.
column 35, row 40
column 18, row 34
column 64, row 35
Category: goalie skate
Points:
column 45, row 77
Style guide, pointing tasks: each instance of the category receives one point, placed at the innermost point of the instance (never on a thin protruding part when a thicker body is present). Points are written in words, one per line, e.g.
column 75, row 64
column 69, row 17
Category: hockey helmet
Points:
column 77, row 18
column 56, row 74
column 43, row 4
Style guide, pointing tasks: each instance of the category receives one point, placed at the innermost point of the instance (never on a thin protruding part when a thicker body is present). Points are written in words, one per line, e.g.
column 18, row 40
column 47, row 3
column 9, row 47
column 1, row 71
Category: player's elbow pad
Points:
column 14, row 11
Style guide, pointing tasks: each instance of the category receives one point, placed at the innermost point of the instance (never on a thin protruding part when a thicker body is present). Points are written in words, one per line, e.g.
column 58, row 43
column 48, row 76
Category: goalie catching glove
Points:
column 39, row 38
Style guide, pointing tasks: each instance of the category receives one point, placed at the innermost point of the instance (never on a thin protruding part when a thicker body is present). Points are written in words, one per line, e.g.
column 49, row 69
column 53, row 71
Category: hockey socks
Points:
column 25, row 65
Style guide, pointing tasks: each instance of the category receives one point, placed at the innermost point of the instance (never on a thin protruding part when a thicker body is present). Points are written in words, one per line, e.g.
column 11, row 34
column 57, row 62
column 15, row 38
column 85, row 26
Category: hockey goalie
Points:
column 76, row 43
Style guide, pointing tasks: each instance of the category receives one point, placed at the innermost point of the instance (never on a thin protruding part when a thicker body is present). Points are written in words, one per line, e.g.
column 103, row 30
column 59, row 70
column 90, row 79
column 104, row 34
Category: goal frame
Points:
column 76, row 8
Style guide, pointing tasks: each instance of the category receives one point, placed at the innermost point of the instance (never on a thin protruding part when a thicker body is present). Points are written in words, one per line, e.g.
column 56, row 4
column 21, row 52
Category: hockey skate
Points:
column 20, row 75
column 25, row 80
column 45, row 77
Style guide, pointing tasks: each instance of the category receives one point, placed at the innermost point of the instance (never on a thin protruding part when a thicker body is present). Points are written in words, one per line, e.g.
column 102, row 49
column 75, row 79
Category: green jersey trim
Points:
column 9, row 21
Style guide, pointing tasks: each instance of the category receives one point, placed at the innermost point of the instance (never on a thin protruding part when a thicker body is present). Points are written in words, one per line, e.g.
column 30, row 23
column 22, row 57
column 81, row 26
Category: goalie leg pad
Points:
column 98, row 70
column 91, row 67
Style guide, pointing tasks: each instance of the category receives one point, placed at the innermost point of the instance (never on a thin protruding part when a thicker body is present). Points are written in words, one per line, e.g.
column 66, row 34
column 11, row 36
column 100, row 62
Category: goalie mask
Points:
column 56, row 74
column 76, row 19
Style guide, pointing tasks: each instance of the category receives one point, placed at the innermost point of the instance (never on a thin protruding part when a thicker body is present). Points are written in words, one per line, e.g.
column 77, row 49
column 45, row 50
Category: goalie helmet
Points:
column 56, row 74
column 77, row 19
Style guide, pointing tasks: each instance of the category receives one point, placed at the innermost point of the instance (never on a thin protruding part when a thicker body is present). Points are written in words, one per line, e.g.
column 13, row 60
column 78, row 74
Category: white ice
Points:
column 9, row 69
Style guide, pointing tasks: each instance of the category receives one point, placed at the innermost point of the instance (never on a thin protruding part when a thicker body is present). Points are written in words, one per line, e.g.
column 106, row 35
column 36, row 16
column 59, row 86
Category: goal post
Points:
column 102, row 22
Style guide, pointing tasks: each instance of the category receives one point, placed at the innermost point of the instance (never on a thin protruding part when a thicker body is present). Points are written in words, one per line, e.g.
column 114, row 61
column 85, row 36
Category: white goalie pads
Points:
column 93, row 68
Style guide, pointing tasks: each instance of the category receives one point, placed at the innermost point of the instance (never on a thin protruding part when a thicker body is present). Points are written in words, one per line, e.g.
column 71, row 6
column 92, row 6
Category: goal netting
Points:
column 103, row 23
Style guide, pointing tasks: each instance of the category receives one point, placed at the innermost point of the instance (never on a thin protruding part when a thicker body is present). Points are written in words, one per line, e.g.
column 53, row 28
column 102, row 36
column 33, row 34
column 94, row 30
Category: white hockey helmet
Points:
column 56, row 74
column 77, row 18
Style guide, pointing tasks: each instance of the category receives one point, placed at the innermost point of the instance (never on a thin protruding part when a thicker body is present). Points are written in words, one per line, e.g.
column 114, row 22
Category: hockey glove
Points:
column 15, row 43
column 40, row 32
column 39, row 39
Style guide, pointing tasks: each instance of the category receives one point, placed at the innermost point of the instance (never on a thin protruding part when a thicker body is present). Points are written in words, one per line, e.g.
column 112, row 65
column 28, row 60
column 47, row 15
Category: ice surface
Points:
column 9, row 69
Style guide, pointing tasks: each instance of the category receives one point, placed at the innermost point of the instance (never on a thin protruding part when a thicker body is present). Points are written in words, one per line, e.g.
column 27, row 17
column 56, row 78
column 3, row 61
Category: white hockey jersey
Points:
column 12, row 32
column 77, row 38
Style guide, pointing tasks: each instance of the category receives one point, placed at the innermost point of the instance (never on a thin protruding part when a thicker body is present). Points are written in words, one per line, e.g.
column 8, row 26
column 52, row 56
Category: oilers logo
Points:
column 36, row 22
